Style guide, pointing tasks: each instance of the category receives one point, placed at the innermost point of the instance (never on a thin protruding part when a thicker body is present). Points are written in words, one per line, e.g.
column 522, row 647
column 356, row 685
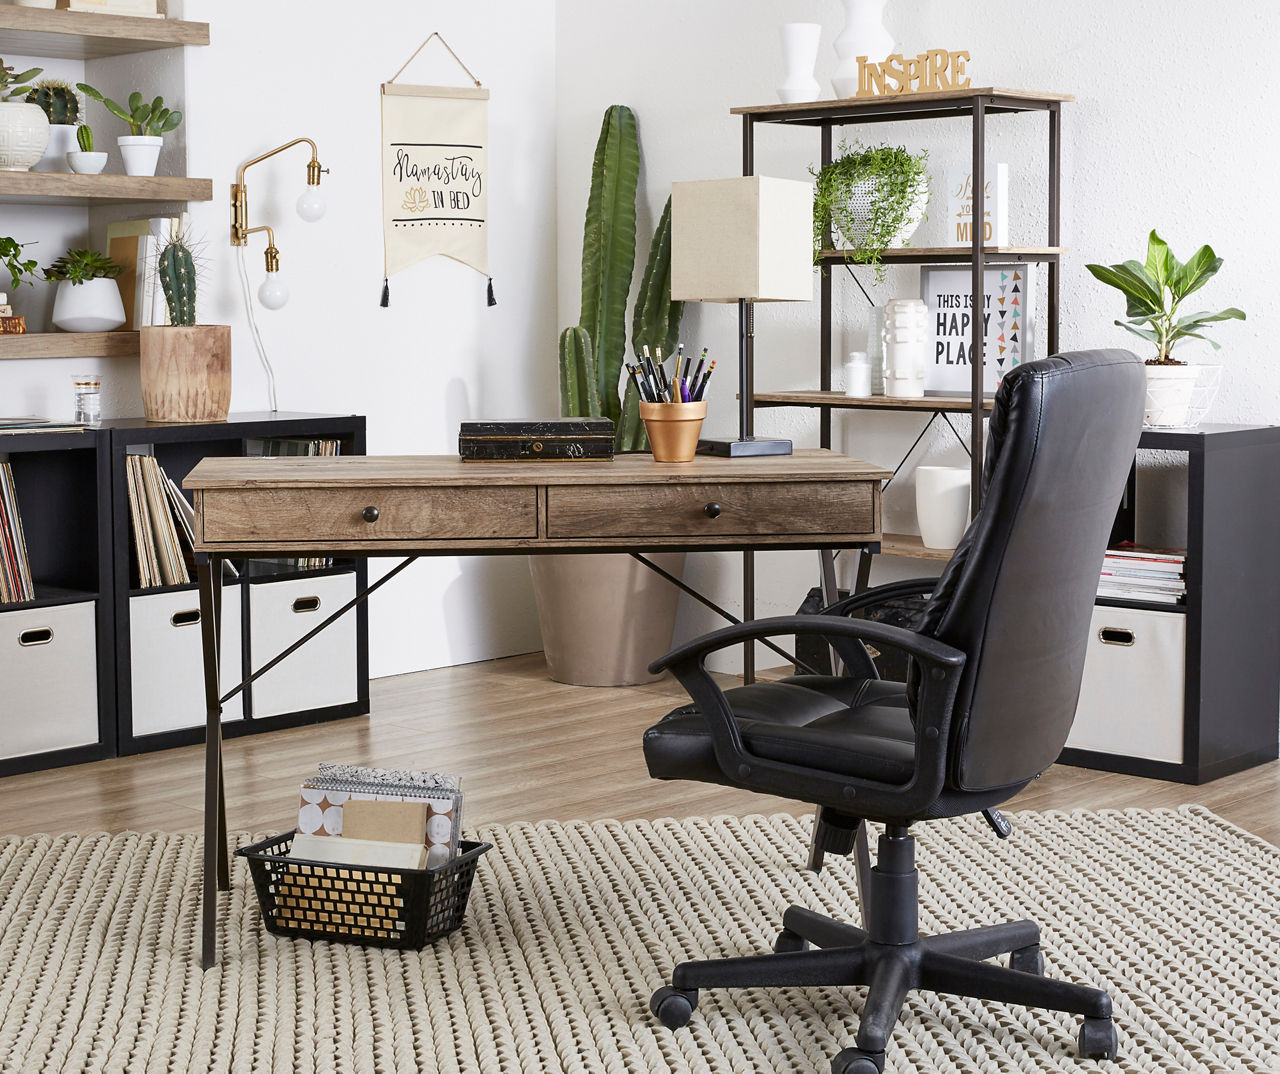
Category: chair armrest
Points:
column 908, row 587
column 941, row 667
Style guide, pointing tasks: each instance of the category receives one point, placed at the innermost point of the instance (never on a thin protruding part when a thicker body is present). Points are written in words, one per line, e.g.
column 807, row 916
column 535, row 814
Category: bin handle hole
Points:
column 306, row 604
column 1110, row 635
column 36, row 636
column 189, row 618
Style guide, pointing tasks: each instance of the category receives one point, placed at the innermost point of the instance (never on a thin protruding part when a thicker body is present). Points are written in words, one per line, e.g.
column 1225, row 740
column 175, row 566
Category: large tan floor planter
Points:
column 604, row 617
column 186, row 372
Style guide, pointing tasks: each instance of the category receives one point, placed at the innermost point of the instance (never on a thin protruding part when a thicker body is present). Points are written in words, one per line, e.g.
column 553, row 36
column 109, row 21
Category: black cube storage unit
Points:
column 159, row 692
column 57, row 665
column 1222, row 715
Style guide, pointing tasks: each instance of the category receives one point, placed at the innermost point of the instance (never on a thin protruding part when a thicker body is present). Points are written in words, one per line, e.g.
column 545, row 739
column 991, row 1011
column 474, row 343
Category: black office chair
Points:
column 987, row 706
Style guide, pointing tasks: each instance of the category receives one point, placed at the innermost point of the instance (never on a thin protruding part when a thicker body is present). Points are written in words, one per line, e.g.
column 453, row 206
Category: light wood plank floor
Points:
column 527, row 748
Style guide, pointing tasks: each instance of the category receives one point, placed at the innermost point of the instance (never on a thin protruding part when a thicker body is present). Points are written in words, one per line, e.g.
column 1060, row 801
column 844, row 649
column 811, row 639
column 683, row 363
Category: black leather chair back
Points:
column 1018, row 594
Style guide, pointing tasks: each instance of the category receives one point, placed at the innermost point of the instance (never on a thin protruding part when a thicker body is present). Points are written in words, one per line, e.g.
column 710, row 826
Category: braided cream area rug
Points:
column 571, row 926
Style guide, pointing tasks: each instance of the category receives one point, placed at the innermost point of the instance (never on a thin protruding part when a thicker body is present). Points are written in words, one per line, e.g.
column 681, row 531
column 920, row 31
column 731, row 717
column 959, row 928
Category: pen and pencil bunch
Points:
column 683, row 386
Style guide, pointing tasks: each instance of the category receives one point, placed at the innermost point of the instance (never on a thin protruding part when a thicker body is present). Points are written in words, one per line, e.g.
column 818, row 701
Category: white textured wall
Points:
column 1159, row 136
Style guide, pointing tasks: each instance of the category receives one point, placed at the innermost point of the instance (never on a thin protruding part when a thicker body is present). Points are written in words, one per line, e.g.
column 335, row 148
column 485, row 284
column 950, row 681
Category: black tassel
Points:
column 386, row 293
column 492, row 301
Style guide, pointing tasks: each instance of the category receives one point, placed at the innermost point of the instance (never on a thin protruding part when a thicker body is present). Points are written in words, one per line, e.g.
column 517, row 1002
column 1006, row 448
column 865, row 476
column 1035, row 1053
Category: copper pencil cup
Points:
column 673, row 429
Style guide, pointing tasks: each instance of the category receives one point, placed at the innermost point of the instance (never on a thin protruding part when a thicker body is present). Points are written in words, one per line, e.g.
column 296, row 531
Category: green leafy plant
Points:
column 152, row 119
column 1154, row 292
column 84, row 137
column 15, row 85
column 80, row 266
column 57, row 99
column 19, row 268
column 176, row 268
column 893, row 178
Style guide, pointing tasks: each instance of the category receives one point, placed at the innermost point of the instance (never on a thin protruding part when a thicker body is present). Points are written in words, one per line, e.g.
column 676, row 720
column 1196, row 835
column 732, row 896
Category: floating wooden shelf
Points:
column 955, row 255
column 79, row 35
column 840, row 401
column 64, row 188
column 70, row 345
column 912, row 547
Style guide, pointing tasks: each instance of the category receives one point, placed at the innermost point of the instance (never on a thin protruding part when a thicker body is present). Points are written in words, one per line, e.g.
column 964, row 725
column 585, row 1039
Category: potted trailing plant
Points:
column 61, row 106
column 148, row 124
column 869, row 199
column 21, row 270
column 1154, row 292
column 85, row 161
column 605, row 617
column 186, row 367
column 24, row 128
column 88, row 299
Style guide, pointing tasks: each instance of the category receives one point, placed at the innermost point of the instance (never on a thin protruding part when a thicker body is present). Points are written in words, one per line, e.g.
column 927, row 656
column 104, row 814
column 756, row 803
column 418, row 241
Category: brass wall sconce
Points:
column 310, row 205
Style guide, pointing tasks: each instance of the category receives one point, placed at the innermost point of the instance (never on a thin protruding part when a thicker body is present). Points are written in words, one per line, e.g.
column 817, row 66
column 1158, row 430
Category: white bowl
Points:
column 83, row 163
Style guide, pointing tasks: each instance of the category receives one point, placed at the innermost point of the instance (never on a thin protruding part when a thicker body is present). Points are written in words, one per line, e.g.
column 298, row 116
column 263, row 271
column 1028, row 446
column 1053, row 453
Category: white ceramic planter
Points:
column 83, row 163
column 799, row 54
column 140, row 153
column 92, row 306
column 863, row 35
column 942, row 504
column 852, row 219
column 62, row 140
column 1170, row 390
column 24, row 132
column 906, row 347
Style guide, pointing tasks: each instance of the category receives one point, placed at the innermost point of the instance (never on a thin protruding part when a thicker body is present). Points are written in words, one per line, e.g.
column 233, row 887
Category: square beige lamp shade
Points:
column 745, row 238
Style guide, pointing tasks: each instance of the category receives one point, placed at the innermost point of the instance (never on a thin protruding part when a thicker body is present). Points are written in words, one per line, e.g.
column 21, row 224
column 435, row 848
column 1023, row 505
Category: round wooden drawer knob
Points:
column 712, row 510
column 369, row 514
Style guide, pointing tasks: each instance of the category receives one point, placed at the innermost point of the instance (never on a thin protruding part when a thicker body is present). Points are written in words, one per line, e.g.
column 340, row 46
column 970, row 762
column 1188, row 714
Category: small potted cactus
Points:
column 60, row 103
column 24, row 128
column 186, row 367
column 88, row 299
column 148, row 124
column 84, row 161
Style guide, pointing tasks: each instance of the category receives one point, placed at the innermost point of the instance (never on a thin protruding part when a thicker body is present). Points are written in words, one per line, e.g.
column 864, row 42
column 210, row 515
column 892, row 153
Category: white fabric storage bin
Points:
column 166, row 660
column 322, row 672
column 48, row 679
column 1131, row 697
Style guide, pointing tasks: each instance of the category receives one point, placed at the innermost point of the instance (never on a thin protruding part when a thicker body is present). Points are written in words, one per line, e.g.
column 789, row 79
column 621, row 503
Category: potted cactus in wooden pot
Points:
column 186, row 367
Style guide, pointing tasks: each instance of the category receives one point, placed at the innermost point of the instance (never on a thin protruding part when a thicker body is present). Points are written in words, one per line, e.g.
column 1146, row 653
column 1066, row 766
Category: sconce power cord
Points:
column 253, row 329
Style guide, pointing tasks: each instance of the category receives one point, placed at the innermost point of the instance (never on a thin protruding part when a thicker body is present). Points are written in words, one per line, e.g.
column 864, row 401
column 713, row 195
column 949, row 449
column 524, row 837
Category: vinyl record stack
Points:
column 15, row 571
column 162, row 524
column 1154, row 575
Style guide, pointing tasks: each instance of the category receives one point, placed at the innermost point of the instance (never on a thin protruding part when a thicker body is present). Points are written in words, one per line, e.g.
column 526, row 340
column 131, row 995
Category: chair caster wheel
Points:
column 673, row 1007
column 1097, row 1039
column 1027, row 960
column 856, row 1061
column 789, row 941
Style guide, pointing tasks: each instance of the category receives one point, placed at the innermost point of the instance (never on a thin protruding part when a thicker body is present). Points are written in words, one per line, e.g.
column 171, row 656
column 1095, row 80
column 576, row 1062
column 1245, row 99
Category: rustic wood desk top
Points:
column 365, row 505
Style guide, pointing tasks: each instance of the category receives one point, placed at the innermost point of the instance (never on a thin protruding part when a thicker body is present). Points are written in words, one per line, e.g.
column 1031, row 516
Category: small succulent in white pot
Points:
column 148, row 124
column 88, row 299
column 24, row 128
column 85, row 160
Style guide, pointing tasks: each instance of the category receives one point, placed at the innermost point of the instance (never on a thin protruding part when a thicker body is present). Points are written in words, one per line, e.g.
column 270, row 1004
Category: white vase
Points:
column 906, row 347
column 140, row 153
column 1170, row 389
column 92, row 306
column 799, row 54
column 863, row 35
column 83, row 163
column 24, row 132
column 942, row 504
column 62, row 140
column 851, row 219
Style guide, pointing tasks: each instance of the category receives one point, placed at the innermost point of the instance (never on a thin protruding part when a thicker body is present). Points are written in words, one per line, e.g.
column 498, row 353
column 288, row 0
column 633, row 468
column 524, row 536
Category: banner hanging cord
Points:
column 424, row 45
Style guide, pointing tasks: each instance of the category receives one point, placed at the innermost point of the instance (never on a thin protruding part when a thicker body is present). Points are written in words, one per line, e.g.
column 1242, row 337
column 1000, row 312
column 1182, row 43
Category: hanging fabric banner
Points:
column 434, row 174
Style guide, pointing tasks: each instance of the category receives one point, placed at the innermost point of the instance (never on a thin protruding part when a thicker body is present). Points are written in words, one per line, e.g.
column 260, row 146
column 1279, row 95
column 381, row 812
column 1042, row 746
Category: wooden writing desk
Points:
column 439, row 505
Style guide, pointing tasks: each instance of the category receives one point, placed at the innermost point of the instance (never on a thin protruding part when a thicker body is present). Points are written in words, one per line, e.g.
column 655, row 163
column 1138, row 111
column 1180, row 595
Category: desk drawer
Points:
column 773, row 509
column 323, row 515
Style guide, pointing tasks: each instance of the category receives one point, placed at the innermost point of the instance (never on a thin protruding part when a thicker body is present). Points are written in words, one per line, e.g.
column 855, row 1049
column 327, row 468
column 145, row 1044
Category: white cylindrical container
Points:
column 140, row 152
column 799, row 54
column 942, row 504
column 857, row 375
column 906, row 347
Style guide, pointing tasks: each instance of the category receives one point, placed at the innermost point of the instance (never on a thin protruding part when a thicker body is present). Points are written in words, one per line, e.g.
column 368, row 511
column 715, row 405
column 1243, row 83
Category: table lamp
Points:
column 742, row 240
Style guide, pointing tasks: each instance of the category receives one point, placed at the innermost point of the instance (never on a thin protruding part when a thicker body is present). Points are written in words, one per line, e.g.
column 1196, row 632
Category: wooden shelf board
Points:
column 64, row 188
column 958, row 102
column 912, row 547
column 840, row 401
column 70, row 345
column 81, row 35
column 959, row 255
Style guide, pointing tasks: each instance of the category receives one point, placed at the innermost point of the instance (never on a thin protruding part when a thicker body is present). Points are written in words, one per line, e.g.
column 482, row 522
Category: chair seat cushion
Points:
column 854, row 727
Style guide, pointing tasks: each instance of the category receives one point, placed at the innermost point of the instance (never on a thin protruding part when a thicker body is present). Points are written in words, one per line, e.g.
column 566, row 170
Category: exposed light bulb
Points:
column 274, row 292
column 311, row 204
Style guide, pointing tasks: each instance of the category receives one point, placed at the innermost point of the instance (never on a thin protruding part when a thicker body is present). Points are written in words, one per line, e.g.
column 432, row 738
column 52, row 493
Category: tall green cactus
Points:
column 579, row 395
column 58, row 100
column 177, row 271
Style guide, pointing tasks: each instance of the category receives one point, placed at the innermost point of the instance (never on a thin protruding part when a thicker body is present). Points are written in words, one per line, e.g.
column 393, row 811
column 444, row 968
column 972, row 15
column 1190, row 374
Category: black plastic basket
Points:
column 374, row 906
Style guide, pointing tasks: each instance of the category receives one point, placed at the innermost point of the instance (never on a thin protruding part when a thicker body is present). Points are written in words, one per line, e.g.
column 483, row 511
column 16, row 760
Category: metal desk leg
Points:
column 830, row 594
column 215, row 876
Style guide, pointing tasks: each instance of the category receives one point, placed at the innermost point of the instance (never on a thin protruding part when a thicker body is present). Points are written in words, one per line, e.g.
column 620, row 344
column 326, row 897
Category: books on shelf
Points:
column 1156, row 575
column 15, row 569
column 297, row 446
column 143, row 9
column 160, row 553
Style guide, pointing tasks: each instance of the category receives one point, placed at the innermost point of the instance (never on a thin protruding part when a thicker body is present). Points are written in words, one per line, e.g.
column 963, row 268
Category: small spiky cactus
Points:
column 84, row 136
column 177, row 272
column 58, row 100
